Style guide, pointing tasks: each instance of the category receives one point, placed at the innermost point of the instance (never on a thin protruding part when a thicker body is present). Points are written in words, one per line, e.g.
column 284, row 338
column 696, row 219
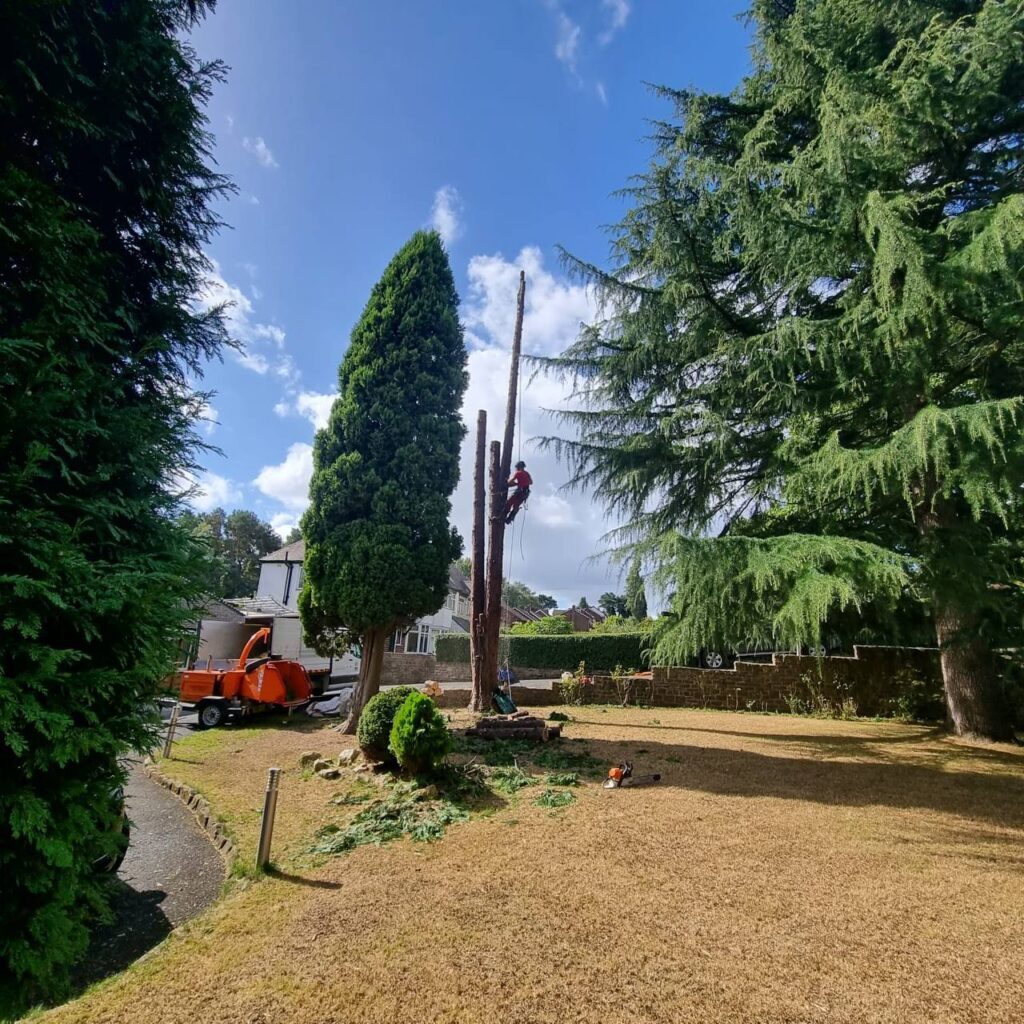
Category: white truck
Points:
column 220, row 641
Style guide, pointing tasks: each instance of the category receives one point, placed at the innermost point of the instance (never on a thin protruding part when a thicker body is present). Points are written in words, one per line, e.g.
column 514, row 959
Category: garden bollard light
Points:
column 267, row 824
column 172, row 725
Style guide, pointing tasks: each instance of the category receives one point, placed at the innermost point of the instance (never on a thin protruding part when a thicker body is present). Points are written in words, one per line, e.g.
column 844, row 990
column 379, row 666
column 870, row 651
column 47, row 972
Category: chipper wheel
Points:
column 211, row 713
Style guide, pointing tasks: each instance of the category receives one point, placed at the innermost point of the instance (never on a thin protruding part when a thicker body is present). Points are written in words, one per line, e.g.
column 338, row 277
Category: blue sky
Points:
column 349, row 125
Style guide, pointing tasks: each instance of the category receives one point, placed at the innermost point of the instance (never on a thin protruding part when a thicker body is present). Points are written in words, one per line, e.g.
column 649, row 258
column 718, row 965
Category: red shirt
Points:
column 523, row 479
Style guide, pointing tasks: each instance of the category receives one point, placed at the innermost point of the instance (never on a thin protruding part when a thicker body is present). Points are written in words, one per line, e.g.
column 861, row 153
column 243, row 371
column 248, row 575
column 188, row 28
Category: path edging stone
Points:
column 201, row 811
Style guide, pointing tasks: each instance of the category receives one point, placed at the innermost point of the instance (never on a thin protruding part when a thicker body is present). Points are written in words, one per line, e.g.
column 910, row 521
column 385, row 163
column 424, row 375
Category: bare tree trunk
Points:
column 969, row 676
column 489, row 668
column 968, row 666
column 479, row 701
column 368, row 684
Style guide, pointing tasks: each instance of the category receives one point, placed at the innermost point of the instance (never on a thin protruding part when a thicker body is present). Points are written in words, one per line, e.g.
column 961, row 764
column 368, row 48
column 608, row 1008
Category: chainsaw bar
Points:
column 632, row 780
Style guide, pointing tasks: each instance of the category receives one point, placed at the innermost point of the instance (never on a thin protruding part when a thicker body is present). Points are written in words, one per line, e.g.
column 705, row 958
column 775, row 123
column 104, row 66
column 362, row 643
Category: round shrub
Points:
column 374, row 730
column 419, row 735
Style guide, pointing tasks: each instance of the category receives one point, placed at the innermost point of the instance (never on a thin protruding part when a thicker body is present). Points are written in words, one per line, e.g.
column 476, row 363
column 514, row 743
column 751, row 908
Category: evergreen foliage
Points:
column 811, row 340
column 613, row 604
column 105, row 206
column 636, row 597
column 378, row 539
column 236, row 542
column 419, row 735
column 374, row 731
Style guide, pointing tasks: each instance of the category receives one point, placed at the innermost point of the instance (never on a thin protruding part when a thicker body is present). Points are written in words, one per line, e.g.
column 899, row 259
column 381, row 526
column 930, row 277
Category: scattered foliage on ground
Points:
column 555, row 798
column 562, row 778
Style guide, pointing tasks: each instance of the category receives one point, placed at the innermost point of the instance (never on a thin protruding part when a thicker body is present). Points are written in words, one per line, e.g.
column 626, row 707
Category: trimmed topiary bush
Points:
column 419, row 735
column 374, row 731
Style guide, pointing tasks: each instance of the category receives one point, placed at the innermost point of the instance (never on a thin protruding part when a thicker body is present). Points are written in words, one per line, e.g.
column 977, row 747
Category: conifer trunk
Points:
column 368, row 684
column 968, row 675
column 968, row 665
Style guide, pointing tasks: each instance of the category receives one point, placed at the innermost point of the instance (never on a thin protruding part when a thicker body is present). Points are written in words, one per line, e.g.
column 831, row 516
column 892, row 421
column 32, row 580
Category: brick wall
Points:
column 877, row 680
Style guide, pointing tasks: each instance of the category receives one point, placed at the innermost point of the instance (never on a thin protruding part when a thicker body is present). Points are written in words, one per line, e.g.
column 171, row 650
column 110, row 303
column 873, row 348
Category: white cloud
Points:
column 567, row 46
column 252, row 199
column 618, row 15
column 446, row 215
column 288, row 481
column 207, row 491
column 284, row 522
column 602, row 93
column 315, row 407
column 553, row 511
column 282, row 409
column 231, row 123
column 242, row 327
column 269, row 331
column 260, row 150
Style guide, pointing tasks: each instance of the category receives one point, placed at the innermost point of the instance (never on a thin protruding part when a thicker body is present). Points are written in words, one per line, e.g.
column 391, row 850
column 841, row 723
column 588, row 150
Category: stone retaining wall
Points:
column 416, row 669
column 200, row 808
column 524, row 696
column 874, row 681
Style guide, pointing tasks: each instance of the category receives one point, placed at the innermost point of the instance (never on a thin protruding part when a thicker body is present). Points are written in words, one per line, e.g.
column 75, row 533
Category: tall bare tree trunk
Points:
column 368, row 684
column 479, row 700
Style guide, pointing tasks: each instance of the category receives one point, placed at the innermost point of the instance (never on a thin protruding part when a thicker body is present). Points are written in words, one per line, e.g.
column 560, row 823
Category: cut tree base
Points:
column 520, row 725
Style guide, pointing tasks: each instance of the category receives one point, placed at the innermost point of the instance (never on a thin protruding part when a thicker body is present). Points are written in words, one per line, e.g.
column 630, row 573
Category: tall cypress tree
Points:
column 378, row 540
column 813, row 346
column 105, row 193
column 636, row 598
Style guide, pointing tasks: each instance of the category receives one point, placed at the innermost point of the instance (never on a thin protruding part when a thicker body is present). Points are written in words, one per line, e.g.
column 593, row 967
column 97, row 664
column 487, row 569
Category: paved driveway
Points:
column 170, row 873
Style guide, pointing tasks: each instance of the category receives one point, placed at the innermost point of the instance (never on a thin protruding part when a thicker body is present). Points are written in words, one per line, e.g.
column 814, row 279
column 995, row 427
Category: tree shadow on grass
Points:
column 980, row 796
column 311, row 883
column 910, row 735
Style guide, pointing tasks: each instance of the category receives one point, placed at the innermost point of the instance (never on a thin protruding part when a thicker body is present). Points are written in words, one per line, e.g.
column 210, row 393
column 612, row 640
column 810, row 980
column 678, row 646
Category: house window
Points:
column 420, row 640
column 394, row 642
column 451, row 602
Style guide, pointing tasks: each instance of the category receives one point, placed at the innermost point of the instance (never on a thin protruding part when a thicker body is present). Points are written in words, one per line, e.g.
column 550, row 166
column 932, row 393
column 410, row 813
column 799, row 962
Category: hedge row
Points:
column 601, row 652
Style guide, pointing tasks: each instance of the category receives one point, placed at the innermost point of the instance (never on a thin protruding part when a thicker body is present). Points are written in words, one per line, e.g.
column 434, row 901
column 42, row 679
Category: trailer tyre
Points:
column 210, row 714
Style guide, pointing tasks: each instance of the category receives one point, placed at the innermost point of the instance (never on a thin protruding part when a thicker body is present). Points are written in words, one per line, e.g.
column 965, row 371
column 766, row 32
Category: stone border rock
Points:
column 200, row 808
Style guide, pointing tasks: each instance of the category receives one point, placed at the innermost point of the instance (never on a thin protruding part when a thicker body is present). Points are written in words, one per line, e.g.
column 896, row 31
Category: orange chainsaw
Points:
column 622, row 775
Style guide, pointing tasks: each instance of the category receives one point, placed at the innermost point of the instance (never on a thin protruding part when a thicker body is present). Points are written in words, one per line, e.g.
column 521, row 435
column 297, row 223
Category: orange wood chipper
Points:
column 251, row 684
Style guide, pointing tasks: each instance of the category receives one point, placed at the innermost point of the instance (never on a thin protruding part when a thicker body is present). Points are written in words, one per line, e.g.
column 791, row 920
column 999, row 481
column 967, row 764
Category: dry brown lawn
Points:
column 785, row 870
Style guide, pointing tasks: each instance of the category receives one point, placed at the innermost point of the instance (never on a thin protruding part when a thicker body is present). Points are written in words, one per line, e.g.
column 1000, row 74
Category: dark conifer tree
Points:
column 813, row 345
column 105, row 205
column 378, row 539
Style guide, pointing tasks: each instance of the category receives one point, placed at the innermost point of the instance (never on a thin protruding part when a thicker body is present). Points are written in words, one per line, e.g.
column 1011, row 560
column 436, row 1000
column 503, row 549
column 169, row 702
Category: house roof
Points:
column 456, row 581
column 253, row 606
column 462, row 623
column 294, row 552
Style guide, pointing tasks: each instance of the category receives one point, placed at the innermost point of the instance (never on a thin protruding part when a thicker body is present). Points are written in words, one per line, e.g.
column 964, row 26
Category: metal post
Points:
column 267, row 824
column 172, row 725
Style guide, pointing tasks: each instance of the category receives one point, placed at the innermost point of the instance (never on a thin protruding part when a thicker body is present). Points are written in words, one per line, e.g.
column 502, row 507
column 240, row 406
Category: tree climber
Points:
column 521, row 481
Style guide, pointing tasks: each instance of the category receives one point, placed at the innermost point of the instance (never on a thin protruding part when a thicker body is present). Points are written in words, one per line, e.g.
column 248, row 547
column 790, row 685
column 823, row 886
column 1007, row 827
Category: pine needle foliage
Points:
column 106, row 201
column 811, row 337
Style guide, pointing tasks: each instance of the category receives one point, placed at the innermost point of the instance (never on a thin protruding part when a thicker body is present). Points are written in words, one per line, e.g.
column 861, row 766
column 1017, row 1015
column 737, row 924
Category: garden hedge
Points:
column 601, row 652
